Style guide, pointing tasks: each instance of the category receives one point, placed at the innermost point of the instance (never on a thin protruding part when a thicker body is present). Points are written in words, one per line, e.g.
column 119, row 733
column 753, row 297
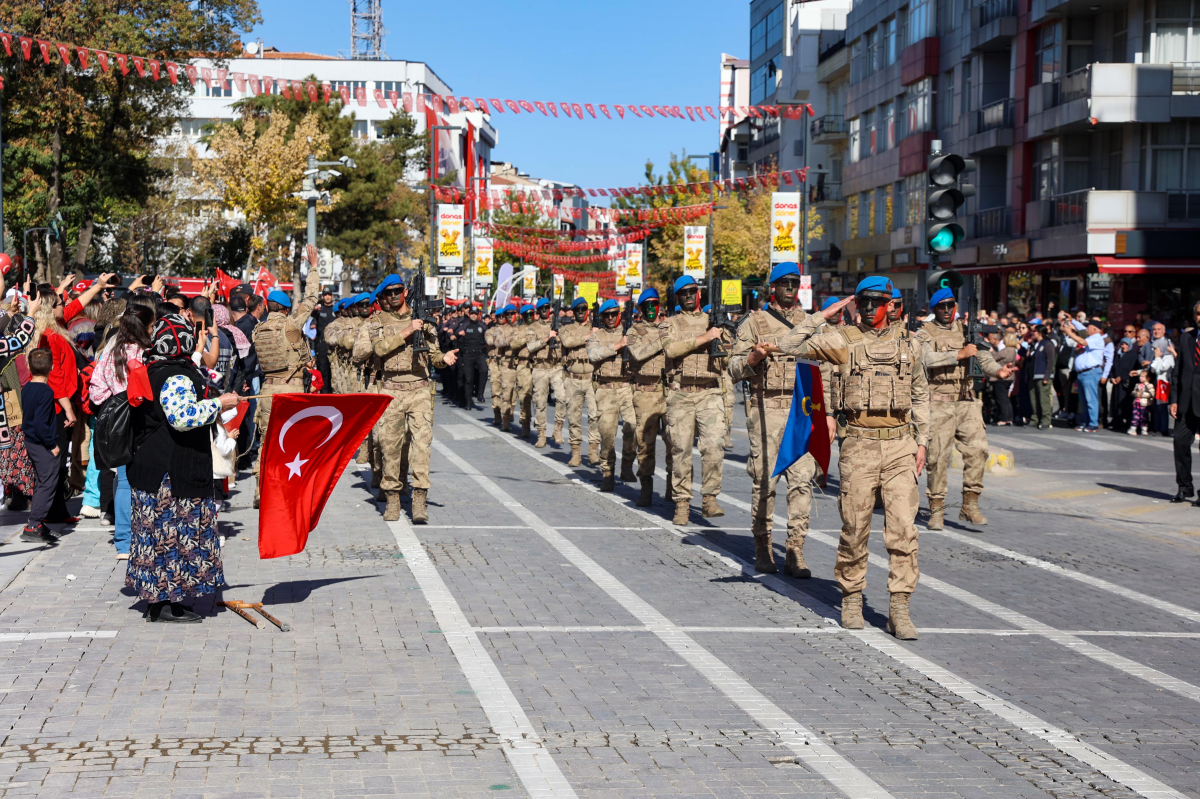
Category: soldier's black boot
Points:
column 647, row 494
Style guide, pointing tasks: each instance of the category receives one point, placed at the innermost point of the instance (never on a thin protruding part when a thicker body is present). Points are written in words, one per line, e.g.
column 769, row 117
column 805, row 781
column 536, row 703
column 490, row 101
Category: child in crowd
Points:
column 1143, row 398
column 41, row 442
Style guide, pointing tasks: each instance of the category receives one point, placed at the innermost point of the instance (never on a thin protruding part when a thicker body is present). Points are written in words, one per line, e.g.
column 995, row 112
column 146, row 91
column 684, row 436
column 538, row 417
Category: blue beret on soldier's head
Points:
column 829, row 301
column 357, row 298
column 707, row 309
column 678, row 309
column 874, row 283
column 896, row 295
column 785, row 269
column 280, row 297
column 575, row 303
column 608, row 305
column 683, row 282
column 941, row 295
column 542, row 303
column 649, row 294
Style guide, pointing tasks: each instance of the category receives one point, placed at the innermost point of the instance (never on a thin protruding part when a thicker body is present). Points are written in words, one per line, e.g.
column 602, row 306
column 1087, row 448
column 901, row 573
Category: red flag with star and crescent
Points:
column 309, row 441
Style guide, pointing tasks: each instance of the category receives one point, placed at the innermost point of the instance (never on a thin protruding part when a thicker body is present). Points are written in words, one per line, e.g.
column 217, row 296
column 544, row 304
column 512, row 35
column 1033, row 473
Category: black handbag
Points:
column 113, row 432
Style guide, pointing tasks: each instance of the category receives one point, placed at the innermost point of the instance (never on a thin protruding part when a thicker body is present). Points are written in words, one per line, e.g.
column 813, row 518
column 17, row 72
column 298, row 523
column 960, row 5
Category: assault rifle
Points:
column 422, row 308
column 626, row 323
column 718, row 315
column 555, row 322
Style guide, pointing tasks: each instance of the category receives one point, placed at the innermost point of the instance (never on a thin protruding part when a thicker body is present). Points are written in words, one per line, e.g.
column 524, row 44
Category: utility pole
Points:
column 802, row 186
column 311, row 194
column 433, row 154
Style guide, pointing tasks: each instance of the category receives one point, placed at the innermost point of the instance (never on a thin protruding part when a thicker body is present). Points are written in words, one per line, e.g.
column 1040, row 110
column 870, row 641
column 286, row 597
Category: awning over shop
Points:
column 1148, row 266
column 1028, row 266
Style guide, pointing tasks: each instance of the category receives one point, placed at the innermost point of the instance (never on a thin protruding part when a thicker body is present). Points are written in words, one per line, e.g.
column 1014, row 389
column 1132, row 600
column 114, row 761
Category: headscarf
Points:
column 174, row 340
column 222, row 320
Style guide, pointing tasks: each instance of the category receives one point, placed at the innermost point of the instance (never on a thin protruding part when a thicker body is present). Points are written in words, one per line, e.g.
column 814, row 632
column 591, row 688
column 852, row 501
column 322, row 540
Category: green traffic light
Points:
column 942, row 241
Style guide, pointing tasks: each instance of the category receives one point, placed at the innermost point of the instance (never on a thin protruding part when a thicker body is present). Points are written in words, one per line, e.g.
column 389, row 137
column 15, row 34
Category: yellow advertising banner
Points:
column 695, row 251
column 633, row 265
column 589, row 291
column 484, row 262
column 529, row 284
column 450, row 240
column 560, row 282
column 731, row 292
column 785, row 227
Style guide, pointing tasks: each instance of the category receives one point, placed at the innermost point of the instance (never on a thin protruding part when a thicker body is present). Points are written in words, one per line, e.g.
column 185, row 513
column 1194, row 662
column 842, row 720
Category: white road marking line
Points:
column 463, row 432
column 1017, row 443
column 476, row 527
column 806, row 745
column 535, row 628
column 1098, row 445
column 1095, row 582
column 58, row 635
column 564, row 629
column 1061, row 740
column 525, row 751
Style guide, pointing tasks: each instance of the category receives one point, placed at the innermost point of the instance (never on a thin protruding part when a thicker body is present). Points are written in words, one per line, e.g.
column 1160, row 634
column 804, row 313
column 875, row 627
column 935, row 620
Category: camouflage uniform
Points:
column 577, row 384
column 283, row 355
column 508, row 372
column 886, row 400
column 336, row 367
column 696, row 402
column 614, row 397
column 523, row 366
column 956, row 419
column 648, row 375
column 352, row 378
column 408, row 420
column 493, row 337
column 771, row 385
column 547, row 374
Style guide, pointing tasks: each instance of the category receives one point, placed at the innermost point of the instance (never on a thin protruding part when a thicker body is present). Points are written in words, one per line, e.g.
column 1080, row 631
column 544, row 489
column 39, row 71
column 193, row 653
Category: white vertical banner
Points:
column 529, row 283
column 695, row 251
column 633, row 265
column 560, row 284
column 485, row 266
column 805, row 295
column 619, row 269
column 785, row 227
column 450, row 243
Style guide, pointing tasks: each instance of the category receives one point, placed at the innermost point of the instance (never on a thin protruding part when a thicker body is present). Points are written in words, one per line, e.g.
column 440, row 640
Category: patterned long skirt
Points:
column 173, row 551
column 16, row 469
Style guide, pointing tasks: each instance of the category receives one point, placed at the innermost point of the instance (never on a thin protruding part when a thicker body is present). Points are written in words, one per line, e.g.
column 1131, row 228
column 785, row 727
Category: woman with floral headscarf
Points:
column 174, row 551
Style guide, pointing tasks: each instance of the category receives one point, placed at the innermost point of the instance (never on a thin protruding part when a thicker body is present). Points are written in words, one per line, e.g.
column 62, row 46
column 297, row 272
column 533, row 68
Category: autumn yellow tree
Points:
column 256, row 169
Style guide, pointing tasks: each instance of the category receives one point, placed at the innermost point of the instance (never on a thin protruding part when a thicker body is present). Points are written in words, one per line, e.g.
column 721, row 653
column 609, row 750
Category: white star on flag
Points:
column 294, row 466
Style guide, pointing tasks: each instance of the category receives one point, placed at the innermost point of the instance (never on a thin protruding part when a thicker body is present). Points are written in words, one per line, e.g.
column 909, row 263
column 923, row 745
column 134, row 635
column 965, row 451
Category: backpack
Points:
column 113, row 433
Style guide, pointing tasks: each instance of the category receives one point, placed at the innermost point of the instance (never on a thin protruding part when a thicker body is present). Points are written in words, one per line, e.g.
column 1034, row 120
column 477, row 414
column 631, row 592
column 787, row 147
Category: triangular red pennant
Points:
column 123, row 62
column 154, row 65
column 140, row 65
column 173, row 72
column 26, row 46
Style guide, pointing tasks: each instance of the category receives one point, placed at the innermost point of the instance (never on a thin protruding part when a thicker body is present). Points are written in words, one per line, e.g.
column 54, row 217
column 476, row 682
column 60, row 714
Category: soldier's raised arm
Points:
column 987, row 362
column 598, row 352
column 575, row 335
column 364, row 342
column 681, row 348
column 804, row 341
column 644, row 347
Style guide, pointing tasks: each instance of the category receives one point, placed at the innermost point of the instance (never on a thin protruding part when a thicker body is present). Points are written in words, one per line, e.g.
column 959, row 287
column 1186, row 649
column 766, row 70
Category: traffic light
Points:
column 945, row 193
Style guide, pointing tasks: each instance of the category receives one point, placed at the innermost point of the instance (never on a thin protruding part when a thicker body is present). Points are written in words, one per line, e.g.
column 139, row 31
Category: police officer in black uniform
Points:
column 322, row 315
column 472, row 359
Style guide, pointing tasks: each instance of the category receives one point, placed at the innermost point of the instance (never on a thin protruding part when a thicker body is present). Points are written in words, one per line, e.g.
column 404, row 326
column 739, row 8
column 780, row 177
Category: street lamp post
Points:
column 802, row 188
column 432, row 219
column 712, row 202
column 311, row 194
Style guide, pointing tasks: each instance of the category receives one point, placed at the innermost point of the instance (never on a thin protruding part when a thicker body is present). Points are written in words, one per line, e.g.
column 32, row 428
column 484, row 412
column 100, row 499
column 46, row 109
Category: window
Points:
column 1117, row 54
column 360, row 129
column 194, row 128
column 386, row 86
column 1045, row 168
column 215, row 89
column 888, row 139
column 767, row 33
column 855, row 138
column 762, row 82
column 914, row 190
column 872, row 51
column 866, row 214
column 775, row 27
column 852, row 217
column 946, row 101
column 1075, row 151
column 1047, row 63
column 1174, row 31
column 1114, row 147
column 1175, row 166
column 890, row 51
column 856, row 61
column 349, row 84
column 1079, row 43
column 868, row 138
column 968, row 82
column 798, row 148
column 899, row 216
column 758, row 39
column 920, row 21
column 917, row 100
column 883, row 209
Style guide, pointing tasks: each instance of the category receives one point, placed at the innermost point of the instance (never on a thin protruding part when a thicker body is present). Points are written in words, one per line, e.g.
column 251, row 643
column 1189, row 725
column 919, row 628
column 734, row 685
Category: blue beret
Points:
column 341, row 304
column 510, row 308
column 896, row 295
column 527, row 308
column 387, row 282
column 829, row 301
column 678, row 309
column 357, row 298
column 780, row 271
column 575, row 303
column 874, row 283
column 707, row 309
column 941, row 295
column 281, row 298
column 542, row 303
column 683, row 282
column 649, row 294
column 608, row 305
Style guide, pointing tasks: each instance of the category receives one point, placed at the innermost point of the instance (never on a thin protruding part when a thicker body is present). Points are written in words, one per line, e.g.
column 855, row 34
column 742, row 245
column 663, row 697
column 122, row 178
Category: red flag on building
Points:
column 308, row 443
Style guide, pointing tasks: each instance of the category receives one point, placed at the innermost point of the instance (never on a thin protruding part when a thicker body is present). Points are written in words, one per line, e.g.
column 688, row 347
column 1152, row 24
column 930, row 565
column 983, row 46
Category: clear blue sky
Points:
column 622, row 51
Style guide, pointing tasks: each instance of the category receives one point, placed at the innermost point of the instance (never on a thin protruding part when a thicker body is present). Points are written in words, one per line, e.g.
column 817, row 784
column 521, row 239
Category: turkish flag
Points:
column 308, row 443
column 226, row 282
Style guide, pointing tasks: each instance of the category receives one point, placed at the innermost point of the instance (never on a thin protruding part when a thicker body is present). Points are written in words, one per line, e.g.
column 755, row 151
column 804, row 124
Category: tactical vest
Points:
column 780, row 374
column 400, row 361
column 575, row 360
column 651, row 369
column 948, row 380
column 879, row 373
column 697, row 367
column 614, row 366
column 523, row 335
column 280, row 346
column 547, row 357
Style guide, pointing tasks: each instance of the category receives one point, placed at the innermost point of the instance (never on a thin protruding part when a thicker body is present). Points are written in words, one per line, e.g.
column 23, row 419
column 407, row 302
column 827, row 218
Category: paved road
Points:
column 541, row 638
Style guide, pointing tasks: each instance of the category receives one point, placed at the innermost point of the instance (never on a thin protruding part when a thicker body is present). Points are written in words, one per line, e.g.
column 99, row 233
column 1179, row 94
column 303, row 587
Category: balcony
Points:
column 1109, row 94
column 991, row 128
column 993, row 25
column 1068, row 209
column 992, row 223
column 827, row 129
column 826, row 195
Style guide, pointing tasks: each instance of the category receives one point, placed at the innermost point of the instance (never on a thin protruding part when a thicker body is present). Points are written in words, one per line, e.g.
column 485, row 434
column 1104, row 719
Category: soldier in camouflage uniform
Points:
column 886, row 401
column 508, row 364
column 577, row 384
column 386, row 341
column 647, row 369
column 955, row 414
column 772, row 378
column 614, row 394
column 547, row 372
column 283, row 352
column 495, row 335
column 696, row 401
column 523, row 364
column 337, row 383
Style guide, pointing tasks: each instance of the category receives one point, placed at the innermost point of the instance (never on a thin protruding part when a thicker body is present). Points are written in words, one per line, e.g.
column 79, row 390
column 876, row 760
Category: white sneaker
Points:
column 1132, row 431
column 88, row 512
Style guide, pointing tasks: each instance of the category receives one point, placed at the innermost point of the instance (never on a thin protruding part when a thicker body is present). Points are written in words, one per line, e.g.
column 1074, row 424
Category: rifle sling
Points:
column 779, row 317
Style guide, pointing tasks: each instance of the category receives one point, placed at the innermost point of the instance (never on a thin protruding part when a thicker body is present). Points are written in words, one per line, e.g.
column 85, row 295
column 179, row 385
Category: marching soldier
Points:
column 614, row 395
column 495, row 335
column 283, row 352
column 386, row 341
column 330, row 335
column 896, row 315
column 955, row 414
column 886, row 400
column 508, row 365
column 648, row 374
column 577, row 384
column 726, row 395
column 772, row 378
column 547, row 372
column 696, row 401
column 523, row 362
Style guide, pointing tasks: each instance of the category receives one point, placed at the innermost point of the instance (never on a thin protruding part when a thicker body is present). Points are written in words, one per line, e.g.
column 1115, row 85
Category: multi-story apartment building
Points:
column 1084, row 120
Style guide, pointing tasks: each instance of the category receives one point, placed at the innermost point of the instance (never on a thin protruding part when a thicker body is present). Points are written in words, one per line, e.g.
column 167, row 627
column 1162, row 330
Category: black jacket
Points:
column 159, row 449
column 1185, row 380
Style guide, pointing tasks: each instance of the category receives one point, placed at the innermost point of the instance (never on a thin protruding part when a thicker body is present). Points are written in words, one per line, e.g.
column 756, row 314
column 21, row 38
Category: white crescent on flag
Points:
column 328, row 412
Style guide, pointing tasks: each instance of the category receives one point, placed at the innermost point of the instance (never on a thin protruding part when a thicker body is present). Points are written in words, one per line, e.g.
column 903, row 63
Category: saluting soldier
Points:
column 772, row 378
column 386, row 341
column 577, row 383
column 614, row 395
column 886, row 400
column 547, row 372
column 283, row 352
column 648, row 374
column 696, row 401
column 955, row 413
